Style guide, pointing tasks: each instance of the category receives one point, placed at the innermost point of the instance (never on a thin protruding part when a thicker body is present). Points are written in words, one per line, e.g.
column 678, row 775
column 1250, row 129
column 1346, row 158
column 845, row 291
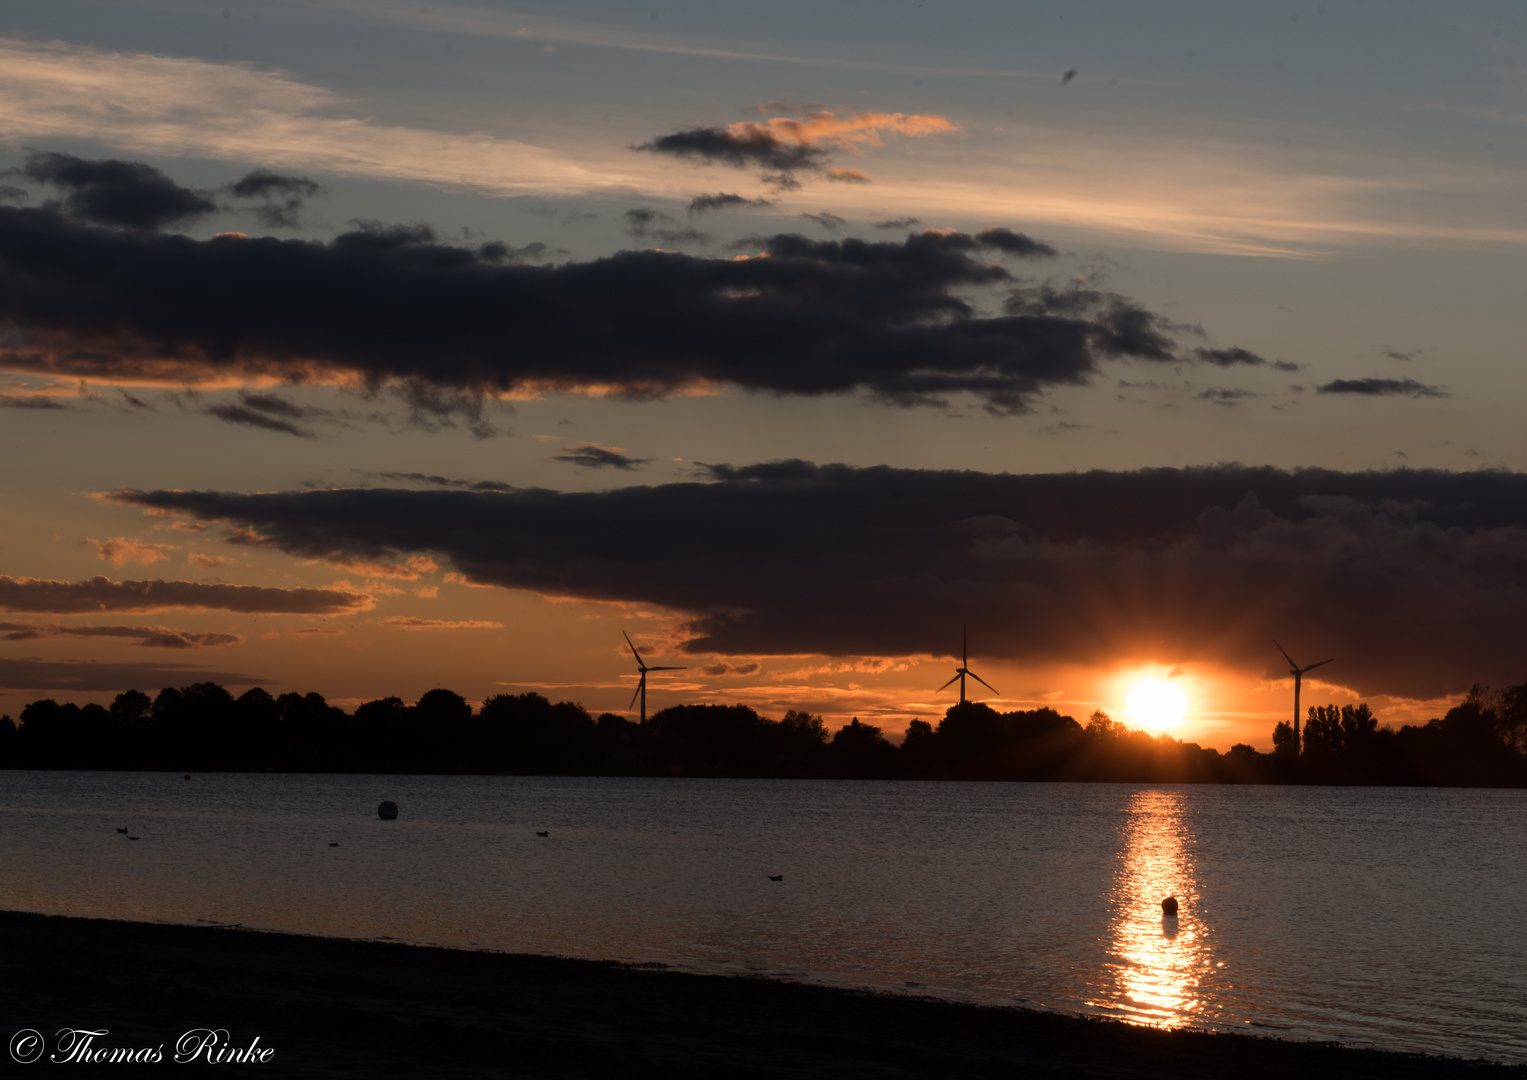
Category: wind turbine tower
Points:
column 1298, row 673
column 964, row 670
column 641, row 684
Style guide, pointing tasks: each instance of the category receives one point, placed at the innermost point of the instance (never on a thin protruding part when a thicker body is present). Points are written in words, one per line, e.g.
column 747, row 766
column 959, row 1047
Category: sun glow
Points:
column 1156, row 704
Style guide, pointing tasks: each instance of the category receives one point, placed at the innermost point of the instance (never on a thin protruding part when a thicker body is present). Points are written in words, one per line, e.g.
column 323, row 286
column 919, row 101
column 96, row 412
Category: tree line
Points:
column 203, row 727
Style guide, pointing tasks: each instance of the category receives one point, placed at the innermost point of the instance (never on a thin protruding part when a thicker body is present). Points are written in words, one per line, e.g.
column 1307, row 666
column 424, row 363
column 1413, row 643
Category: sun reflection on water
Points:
column 1158, row 964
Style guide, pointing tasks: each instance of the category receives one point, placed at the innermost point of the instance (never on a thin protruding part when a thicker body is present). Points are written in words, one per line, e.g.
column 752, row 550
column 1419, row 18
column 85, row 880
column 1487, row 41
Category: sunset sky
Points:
column 365, row 347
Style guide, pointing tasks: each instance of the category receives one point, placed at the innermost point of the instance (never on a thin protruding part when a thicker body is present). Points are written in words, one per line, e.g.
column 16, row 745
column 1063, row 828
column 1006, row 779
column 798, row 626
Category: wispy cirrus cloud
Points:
column 176, row 106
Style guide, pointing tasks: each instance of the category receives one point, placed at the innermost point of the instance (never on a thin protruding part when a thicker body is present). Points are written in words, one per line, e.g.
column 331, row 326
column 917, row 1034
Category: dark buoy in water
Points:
column 388, row 811
column 1169, row 908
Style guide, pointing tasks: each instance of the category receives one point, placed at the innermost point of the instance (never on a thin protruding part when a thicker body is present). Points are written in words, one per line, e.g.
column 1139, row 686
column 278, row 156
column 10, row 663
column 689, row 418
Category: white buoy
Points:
column 388, row 811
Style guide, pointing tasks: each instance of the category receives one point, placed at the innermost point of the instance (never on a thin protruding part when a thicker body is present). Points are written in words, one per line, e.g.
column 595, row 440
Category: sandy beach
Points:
column 337, row 1008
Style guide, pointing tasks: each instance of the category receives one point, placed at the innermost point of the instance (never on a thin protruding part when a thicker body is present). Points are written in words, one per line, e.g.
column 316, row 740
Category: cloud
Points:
column 85, row 677
column 785, row 146
column 1382, row 388
column 11, row 401
column 722, row 668
column 1234, row 356
column 894, row 319
column 266, row 411
column 129, row 194
column 594, row 456
column 119, row 551
column 240, row 414
column 443, row 481
column 1404, row 357
column 1415, row 579
column 1222, row 396
column 724, row 200
column 1013, row 243
column 152, row 637
column 829, row 221
column 279, row 199
column 179, row 639
column 898, row 224
column 496, row 251
column 410, row 623
column 642, row 222
column 640, row 219
column 98, row 594
column 181, row 107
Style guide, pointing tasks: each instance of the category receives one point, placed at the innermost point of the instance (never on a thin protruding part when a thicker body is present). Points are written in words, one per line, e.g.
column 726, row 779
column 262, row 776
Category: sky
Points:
column 364, row 348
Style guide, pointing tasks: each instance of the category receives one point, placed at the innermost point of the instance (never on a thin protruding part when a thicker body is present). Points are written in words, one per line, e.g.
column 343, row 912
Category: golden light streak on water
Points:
column 1157, row 962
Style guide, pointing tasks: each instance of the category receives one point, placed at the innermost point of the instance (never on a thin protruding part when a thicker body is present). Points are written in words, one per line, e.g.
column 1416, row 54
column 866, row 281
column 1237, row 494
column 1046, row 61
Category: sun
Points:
column 1156, row 704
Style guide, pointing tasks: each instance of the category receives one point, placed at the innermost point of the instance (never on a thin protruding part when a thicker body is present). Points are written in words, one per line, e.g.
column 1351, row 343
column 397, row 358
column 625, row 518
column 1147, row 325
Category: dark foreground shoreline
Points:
column 336, row 1008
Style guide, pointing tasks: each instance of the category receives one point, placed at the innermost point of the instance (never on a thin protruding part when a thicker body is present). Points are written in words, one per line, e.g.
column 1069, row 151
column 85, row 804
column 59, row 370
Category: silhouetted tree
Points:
column 711, row 740
column 860, row 751
column 800, row 744
column 526, row 733
column 382, row 735
column 7, row 743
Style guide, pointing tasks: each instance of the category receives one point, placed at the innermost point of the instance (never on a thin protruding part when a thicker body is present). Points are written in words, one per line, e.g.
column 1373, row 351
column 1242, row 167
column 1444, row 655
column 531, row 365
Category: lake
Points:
column 1389, row 917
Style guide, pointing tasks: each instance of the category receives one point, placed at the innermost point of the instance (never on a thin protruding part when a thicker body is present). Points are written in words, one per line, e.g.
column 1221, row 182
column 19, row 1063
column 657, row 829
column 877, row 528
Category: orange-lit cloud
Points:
column 411, row 569
column 852, row 132
column 119, row 551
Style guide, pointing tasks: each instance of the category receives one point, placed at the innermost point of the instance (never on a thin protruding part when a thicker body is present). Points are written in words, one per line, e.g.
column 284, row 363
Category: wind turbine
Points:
column 641, row 685
column 1298, row 673
column 964, row 670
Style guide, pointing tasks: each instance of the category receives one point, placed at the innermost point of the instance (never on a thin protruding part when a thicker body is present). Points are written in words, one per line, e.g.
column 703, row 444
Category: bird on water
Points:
column 776, row 877
column 547, row 833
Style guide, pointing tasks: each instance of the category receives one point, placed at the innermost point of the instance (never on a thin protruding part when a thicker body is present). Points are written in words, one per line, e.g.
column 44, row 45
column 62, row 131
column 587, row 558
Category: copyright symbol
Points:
column 27, row 1046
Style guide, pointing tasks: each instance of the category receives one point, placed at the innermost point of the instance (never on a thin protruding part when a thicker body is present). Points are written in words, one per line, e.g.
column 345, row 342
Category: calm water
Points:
column 1387, row 917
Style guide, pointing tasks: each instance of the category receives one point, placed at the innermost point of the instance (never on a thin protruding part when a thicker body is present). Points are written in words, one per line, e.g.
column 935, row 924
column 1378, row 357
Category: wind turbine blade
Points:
column 947, row 685
column 640, row 683
column 983, row 682
column 1313, row 666
column 1287, row 657
column 667, row 669
column 964, row 645
column 643, row 667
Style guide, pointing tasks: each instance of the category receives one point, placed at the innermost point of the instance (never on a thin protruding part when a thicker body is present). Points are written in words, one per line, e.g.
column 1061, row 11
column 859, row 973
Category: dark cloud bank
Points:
column 396, row 306
column 1415, row 580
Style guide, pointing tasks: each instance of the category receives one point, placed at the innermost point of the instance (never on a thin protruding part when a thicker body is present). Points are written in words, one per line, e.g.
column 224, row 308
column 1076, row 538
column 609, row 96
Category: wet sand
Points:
column 334, row 1008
